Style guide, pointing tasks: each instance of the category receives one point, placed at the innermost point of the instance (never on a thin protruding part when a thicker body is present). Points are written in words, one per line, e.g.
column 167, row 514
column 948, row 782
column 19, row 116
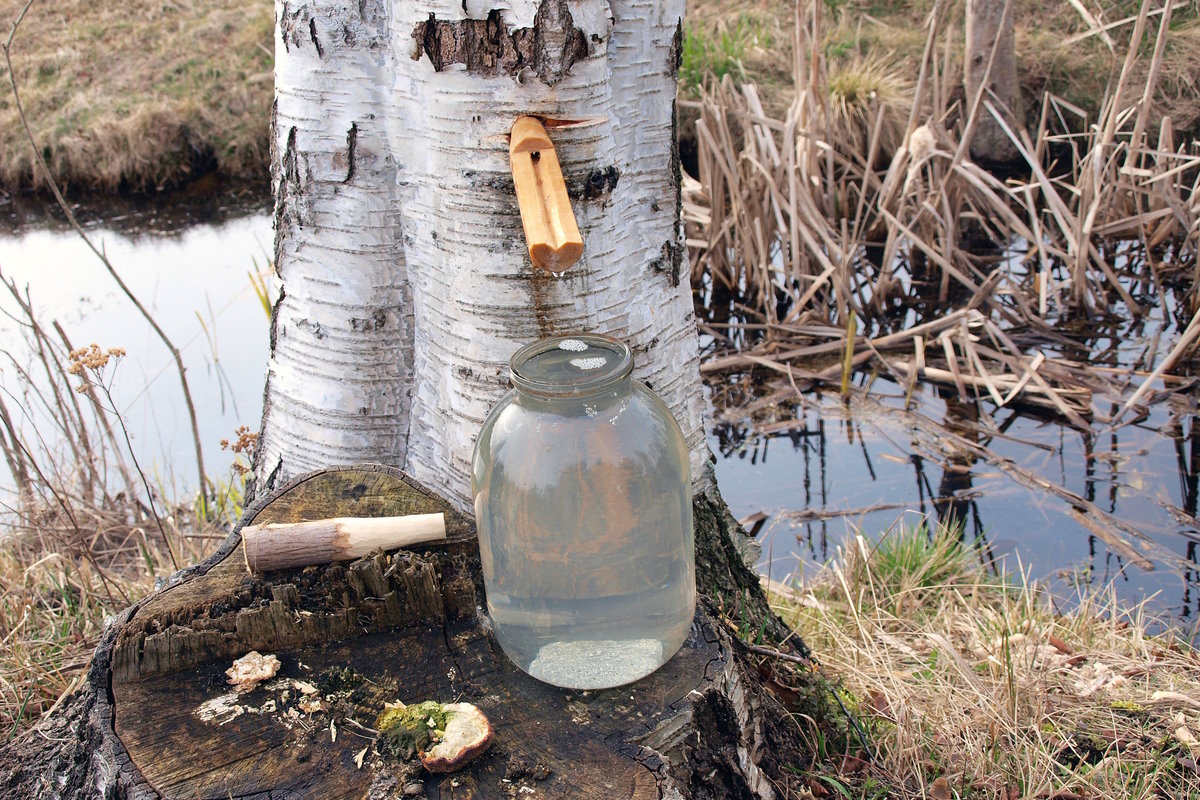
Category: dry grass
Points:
column 138, row 95
column 148, row 93
column 973, row 685
column 59, row 578
column 1058, row 50
column 84, row 531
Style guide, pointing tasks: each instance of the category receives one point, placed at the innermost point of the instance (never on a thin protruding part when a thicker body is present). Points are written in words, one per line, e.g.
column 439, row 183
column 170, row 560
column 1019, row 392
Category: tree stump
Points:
column 406, row 625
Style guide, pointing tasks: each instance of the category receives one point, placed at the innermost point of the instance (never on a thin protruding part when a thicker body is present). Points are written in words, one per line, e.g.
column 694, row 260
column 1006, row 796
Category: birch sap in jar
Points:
column 584, row 507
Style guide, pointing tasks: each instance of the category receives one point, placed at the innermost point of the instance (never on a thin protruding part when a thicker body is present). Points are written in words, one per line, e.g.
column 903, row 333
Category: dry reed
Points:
column 825, row 223
column 85, row 531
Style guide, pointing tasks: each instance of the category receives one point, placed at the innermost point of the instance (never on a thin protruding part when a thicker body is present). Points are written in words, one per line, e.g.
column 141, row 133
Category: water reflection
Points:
column 818, row 468
column 1084, row 502
column 195, row 281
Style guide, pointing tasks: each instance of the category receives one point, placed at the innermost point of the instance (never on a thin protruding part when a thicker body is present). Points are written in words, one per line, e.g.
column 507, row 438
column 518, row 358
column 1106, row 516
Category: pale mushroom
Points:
column 252, row 669
column 467, row 735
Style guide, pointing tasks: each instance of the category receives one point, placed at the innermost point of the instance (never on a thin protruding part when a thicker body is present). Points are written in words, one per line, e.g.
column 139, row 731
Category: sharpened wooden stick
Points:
column 551, row 232
column 300, row 544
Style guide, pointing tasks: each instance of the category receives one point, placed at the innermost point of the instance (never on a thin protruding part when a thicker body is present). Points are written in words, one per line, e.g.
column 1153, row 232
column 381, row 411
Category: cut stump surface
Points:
column 402, row 626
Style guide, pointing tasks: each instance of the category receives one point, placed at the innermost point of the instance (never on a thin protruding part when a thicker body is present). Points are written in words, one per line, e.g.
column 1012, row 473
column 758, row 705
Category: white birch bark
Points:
column 456, row 234
column 342, row 331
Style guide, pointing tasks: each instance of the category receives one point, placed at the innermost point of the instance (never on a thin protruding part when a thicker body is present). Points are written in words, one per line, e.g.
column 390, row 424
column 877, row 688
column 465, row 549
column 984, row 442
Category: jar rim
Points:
column 615, row 365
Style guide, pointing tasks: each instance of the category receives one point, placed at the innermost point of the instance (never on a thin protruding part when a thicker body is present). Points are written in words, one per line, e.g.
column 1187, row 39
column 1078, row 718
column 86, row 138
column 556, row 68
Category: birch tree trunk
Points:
column 989, row 26
column 405, row 289
column 399, row 248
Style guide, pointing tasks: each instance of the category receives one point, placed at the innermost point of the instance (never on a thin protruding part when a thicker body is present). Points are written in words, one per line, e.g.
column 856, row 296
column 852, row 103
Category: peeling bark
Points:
column 486, row 47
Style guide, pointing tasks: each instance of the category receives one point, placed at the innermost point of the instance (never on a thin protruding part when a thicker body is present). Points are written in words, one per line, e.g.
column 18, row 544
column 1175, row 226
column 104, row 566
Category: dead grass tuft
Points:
column 869, row 96
column 138, row 95
column 972, row 685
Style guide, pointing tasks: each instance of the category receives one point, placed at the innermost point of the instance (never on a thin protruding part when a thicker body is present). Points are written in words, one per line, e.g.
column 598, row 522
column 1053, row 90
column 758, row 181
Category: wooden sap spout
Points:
column 550, row 228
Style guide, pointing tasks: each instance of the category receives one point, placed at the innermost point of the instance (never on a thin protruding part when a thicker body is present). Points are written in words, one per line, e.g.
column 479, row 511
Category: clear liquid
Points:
column 594, row 644
column 585, row 526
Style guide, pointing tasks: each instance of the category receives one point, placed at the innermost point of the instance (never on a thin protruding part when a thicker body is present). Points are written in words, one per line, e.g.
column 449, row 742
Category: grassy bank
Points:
column 968, row 684
column 1058, row 49
column 138, row 94
column 147, row 94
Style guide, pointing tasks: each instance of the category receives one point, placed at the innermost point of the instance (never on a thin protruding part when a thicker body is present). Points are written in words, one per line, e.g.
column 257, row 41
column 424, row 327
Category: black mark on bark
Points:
column 351, row 150
column 376, row 322
column 275, row 319
column 675, row 252
column 597, row 184
column 312, row 32
column 549, row 49
column 670, row 261
column 274, row 154
column 642, row 351
column 675, row 55
column 674, row 176
column 291, row 163
column 284, row 16
column 273, row 477
column 289, row 189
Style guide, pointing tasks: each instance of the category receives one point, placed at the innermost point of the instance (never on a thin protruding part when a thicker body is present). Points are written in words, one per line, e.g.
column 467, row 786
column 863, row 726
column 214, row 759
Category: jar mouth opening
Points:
column 571, row 365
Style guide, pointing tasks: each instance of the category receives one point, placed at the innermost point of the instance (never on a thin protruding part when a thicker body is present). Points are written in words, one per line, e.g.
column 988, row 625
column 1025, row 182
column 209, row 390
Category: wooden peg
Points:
column 550, row 228
column 321, row 541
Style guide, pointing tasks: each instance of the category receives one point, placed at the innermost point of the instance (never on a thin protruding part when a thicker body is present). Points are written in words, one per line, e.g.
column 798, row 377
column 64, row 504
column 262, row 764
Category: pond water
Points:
column 804, row 470
column 191, row 269
column 819, row 471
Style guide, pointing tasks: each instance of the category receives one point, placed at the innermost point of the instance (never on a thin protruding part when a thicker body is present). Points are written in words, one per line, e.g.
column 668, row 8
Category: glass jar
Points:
column 583, row 502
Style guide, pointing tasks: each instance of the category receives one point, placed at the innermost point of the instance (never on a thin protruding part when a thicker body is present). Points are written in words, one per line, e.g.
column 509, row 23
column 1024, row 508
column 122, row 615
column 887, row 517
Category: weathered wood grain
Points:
column 283, row 545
